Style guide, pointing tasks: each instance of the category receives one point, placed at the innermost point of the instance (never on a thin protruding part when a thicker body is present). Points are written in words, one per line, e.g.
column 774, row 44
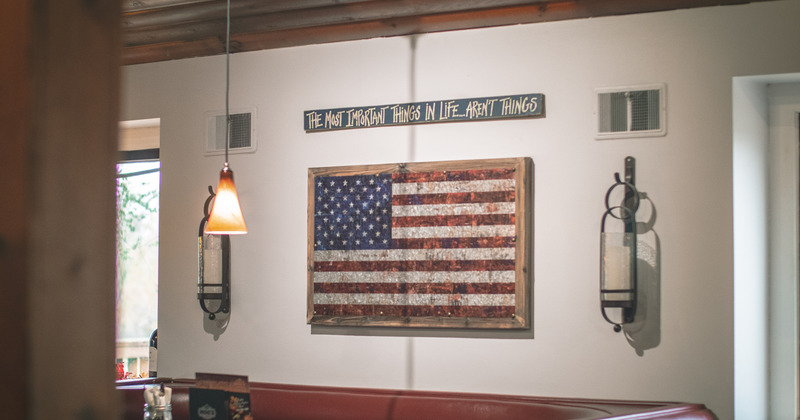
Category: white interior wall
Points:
column 687, row 355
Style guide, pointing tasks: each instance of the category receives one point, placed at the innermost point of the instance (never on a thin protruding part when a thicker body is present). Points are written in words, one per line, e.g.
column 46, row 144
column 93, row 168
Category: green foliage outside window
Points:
column 137, row 249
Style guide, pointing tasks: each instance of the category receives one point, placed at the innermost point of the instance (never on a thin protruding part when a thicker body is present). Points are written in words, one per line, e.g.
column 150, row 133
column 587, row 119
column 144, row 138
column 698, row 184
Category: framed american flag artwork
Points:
column 432, row 244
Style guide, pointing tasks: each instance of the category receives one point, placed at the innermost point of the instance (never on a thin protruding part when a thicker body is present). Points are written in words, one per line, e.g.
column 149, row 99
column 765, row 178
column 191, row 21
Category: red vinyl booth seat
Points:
column 300, row 402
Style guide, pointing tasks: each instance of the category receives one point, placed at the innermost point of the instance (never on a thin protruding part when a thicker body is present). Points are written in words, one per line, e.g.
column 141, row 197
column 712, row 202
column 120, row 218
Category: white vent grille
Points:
column 637, row 111
column 242, row 136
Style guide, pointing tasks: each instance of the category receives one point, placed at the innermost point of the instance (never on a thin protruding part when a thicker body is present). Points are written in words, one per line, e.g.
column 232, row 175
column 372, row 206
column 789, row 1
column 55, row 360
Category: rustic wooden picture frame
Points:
column 474, row 270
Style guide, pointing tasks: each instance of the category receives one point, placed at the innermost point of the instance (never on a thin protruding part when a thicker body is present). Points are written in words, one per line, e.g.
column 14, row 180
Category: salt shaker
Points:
column 157, row 412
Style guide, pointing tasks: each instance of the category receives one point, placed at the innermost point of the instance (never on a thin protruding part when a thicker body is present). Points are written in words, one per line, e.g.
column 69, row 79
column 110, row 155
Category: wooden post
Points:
column 59, row 84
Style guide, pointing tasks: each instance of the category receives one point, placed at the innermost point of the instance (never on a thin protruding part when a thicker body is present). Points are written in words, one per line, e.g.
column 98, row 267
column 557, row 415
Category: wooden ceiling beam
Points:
column 197, row 29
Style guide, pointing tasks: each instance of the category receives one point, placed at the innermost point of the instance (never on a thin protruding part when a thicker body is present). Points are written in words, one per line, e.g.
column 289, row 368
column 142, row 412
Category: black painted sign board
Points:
column 453, row 110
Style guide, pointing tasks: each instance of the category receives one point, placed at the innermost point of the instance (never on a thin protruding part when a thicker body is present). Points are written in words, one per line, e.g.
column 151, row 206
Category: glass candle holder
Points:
column 617, row 276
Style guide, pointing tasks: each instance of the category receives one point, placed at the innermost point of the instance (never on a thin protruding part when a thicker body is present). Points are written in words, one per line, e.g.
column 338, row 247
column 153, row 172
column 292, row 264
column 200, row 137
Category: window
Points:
column 138, row 182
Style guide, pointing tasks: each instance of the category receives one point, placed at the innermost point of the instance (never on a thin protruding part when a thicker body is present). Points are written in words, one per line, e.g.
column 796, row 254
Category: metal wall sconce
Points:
column 618, row 251
column 214, row 268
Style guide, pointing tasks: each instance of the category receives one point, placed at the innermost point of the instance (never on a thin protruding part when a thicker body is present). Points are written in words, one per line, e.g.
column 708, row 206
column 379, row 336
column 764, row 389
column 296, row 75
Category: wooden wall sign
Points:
column 436, row 244
column 473, row 109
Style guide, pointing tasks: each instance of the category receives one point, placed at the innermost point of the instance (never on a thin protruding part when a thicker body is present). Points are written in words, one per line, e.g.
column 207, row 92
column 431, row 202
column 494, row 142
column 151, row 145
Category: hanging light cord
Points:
column 227, row 81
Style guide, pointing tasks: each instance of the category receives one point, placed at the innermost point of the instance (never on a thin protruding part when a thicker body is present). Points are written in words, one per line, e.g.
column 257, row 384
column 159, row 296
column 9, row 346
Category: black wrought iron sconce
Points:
column 214, row 268
column 618, row 250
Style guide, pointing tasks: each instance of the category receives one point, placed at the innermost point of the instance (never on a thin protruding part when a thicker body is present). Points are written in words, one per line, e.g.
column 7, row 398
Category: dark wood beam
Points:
column 15, row 117
column 60, row 90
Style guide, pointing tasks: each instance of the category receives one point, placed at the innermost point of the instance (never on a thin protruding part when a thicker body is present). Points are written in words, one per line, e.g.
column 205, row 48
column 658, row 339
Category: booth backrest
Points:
column 299, row 402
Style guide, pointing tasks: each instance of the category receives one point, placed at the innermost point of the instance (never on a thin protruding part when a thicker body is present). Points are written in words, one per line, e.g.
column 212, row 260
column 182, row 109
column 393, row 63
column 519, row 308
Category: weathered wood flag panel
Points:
column 438, row 244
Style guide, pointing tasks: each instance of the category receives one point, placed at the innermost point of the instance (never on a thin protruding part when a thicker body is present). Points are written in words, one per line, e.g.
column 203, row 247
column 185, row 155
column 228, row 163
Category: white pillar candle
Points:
column 616, row 270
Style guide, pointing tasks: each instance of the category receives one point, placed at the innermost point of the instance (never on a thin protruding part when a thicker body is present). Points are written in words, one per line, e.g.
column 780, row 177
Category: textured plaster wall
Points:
column 686, row 349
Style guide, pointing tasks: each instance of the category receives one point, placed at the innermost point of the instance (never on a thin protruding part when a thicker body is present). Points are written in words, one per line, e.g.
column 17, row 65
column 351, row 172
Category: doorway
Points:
column 766, row 168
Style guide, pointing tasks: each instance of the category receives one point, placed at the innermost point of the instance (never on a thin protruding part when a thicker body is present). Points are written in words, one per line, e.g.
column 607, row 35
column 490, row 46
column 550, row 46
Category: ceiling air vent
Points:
column 635, row 111
column 243, row 132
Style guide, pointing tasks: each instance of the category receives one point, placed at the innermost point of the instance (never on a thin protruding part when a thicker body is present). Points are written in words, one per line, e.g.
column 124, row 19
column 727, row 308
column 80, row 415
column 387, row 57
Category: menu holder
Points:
column 220, row 397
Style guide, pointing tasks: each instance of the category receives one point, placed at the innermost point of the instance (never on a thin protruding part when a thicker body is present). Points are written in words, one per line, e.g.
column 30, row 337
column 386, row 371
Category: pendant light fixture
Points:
column 226, row 214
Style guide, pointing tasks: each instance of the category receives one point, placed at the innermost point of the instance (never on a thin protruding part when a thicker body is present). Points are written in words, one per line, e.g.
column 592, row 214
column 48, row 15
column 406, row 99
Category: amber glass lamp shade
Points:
column 226, row 214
